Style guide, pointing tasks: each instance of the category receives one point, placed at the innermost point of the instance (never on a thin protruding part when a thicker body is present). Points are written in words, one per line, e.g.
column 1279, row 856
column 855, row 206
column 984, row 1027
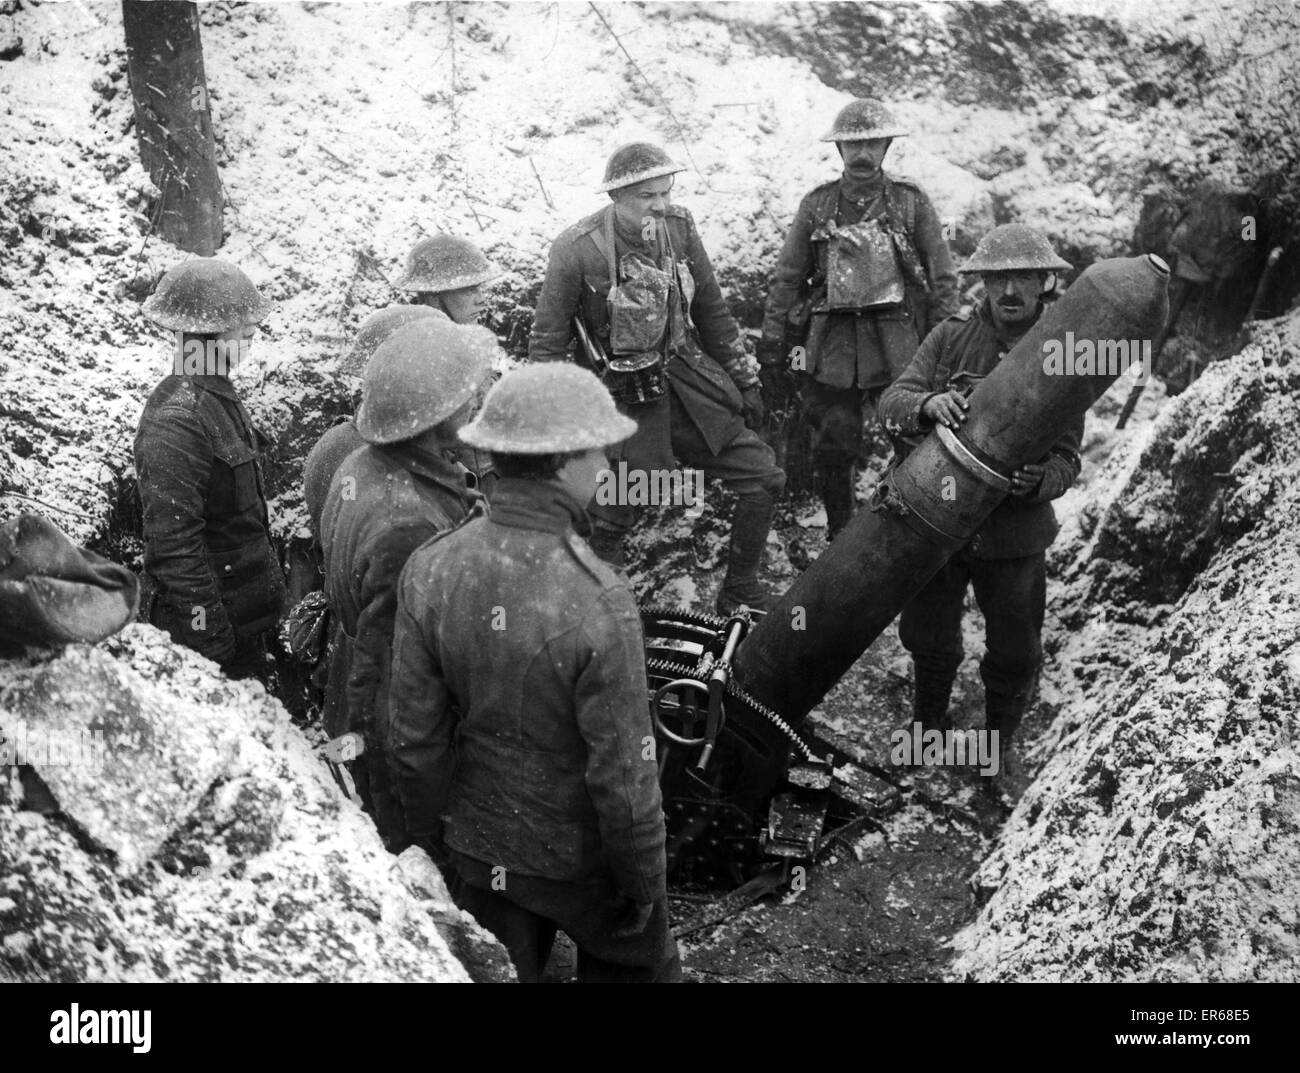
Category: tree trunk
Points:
column 173, row 121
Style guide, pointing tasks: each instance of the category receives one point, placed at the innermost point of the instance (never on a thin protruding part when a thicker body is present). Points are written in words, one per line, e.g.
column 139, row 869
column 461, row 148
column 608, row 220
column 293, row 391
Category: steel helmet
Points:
column 635, row 163
column 547, row 408
column 421, row 375
column 376, row 328
column 205, row 295
column 445, row 263
column 1012, row 248
column 862, row 120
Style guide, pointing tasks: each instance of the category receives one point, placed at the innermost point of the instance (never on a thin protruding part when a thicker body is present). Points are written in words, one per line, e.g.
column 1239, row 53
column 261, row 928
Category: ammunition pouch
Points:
column 862, row 269
column 640, row 319
column 636, row 378
column 638, row 308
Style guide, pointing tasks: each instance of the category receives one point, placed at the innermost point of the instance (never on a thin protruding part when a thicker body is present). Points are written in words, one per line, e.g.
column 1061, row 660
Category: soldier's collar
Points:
column 542, row 505
column 862, row 191
column 218, row 385
column 431, row 465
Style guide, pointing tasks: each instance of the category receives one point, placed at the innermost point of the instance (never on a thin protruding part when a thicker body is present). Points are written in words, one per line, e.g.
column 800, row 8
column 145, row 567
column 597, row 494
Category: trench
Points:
column 881, row 905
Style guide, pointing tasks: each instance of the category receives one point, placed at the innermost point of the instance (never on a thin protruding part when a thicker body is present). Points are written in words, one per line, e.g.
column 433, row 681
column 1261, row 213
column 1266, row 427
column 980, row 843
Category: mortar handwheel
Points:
column 658, row 709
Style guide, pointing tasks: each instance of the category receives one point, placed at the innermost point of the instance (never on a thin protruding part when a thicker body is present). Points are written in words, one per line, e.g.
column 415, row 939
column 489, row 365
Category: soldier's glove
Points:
column 632, row 919
column 755, row 411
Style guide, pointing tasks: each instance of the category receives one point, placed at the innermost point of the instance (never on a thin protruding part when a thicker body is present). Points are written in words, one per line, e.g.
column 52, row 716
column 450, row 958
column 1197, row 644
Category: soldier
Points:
column 514, row 640
column 448, row 274
column 864, row 275
column 342, row 438
column 670, row 352
column 1006, row 562
column 211, row 577
column 386, row 499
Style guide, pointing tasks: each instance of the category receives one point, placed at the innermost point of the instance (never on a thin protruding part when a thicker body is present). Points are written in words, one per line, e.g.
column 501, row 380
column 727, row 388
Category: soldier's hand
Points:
column 1026, row 479
column 769, row 353
column 946, row 409
column 344, row 748
column 632, row 920
column 752, row 401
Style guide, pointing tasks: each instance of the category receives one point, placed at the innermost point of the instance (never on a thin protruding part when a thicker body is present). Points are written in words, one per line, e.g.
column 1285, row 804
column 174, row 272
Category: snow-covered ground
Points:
column 347, row 131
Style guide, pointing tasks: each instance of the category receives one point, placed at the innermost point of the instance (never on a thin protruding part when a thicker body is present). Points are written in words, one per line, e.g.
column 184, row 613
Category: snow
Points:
column 348, row 132
column 1161, row 830
column 251, row 868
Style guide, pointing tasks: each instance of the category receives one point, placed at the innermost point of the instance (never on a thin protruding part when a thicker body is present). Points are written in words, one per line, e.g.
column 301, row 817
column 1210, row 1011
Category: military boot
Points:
column 1003, row 713
column 749, row 528
column 836, row 488
column 930, row 696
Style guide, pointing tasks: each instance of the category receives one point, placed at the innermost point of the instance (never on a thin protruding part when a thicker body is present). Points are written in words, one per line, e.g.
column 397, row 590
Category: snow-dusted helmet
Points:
column 205, row 295
column 420, row 376
column 635, row 163
column 446, row 263
column 1014, row 248
column 863, row 120
column 547, row 408
column 376, row 328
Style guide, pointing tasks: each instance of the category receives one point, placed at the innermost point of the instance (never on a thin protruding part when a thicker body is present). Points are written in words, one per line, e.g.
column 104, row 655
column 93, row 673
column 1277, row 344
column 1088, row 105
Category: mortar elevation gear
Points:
column 862, row 120
column 420, row 376
column 446, row 263
column 547, row 408
column 635, row 163
column 205, row 295
column 1014, row 248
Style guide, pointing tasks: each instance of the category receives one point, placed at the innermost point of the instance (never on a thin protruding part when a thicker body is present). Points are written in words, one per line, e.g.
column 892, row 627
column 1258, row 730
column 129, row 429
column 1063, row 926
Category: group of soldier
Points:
column 483, row 644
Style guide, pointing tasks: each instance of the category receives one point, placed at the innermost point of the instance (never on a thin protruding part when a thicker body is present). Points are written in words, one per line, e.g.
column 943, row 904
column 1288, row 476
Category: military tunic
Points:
column 700, row 420
column 212, row 579
column 383, row 503
column 515, row 643
column 860, row 350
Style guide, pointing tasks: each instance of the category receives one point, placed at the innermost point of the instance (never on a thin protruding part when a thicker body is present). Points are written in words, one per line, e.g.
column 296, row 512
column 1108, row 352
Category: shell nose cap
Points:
column 1159, row 264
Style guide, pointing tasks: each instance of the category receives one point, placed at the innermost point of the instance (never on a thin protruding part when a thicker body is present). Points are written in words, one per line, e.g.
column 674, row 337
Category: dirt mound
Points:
column 177, row 827
column 1160, row 839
